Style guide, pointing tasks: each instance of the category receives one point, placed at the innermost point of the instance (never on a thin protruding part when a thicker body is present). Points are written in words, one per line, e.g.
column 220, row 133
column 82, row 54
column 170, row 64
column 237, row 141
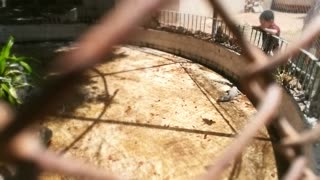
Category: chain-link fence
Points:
column 20, row 148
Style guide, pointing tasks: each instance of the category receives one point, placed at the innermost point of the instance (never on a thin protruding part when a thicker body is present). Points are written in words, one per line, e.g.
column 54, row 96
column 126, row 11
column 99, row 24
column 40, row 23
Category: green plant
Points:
column 15, row 74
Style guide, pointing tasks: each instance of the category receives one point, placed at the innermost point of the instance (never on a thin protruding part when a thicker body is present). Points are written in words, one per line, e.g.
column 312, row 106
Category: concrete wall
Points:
column 267, row 4
column 214, row 56
column 217, row 57
column 197, row 7
column 234, row 6
column 226, row 62
column 203, row 7
column 41, row 32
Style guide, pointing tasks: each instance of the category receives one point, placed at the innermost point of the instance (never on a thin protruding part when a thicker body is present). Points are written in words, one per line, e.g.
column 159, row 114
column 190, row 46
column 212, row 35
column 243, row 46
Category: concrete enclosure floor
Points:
column 146, row 114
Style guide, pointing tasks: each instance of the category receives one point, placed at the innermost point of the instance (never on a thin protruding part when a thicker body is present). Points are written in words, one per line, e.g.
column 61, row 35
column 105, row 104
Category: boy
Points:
column 269, row 29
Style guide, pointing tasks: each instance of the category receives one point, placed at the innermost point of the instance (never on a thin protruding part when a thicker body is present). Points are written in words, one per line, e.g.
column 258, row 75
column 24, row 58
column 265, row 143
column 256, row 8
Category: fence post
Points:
column 214, row 22
column 314, row 109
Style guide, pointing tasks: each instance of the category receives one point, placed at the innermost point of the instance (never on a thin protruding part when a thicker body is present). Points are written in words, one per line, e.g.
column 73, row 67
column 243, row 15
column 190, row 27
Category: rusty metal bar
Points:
column 266, row 113
column 296, row 170
column 309, row 136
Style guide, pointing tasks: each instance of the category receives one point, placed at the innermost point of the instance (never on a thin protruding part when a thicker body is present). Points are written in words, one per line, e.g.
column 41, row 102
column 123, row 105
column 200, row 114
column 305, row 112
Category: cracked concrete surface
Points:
column 145, row 114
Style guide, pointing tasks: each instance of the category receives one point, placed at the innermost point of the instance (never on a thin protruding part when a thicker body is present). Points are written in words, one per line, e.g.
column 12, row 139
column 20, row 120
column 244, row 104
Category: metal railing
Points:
column 188, row 21
column 303, row 69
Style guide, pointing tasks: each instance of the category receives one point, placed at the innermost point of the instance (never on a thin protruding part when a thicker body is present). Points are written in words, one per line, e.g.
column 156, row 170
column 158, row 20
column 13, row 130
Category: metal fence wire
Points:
column 21, row 149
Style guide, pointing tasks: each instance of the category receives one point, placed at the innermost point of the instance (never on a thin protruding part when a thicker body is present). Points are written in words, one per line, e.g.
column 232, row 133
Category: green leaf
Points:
column 4, row 54
column 19, row 79
column 5, row 79
column 5, row 87
column 15, row 73
column 14, row 58
column 12, row 100
column 14, row 65
column 24, row 58
column 2, row 93
column 10, row 90
column 12, row 72
column 26, row 66
column 7, row 96
column 12, row 96
column 3, row 65
column 23, row 85
column 13, row 92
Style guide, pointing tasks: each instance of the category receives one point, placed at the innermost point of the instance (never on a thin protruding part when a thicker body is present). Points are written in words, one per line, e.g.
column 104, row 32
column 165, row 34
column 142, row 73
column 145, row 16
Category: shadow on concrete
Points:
column 107, row 102
column 151, row 126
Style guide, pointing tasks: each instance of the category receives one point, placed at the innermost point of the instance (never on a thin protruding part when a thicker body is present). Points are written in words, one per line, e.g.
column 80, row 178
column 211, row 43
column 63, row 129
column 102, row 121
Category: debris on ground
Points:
column 208, row 121
column 230, row 95
column 292, row 85
column 45, row 135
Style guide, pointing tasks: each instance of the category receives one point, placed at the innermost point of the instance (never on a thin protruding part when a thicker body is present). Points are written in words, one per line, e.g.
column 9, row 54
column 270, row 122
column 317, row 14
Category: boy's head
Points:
column 266, row 19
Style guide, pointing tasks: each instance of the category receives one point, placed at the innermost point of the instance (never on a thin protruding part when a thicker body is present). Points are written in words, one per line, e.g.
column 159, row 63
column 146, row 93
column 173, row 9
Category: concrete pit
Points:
column 146, row 114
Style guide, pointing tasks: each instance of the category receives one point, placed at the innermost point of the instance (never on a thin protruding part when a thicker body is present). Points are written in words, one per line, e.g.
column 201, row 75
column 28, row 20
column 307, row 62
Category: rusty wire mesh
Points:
column 22, row 149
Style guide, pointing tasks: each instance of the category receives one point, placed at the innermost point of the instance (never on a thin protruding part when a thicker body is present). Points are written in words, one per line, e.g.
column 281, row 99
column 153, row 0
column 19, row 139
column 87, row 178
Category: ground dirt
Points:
column 145, row 114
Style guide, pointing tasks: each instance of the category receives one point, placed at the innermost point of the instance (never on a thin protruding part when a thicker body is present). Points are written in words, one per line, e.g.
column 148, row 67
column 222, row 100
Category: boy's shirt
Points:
column 269, row 42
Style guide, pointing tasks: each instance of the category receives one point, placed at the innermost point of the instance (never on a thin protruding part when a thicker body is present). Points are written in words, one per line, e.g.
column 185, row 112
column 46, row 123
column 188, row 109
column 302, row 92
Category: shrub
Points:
column 15, row 74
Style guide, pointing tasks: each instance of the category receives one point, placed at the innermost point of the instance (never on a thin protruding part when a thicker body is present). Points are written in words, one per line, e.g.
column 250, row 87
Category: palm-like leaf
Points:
column 14, row 73
column 5, row 52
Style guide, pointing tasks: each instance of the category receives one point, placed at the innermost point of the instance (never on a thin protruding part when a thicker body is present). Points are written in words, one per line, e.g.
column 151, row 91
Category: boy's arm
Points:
column 271, row 31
